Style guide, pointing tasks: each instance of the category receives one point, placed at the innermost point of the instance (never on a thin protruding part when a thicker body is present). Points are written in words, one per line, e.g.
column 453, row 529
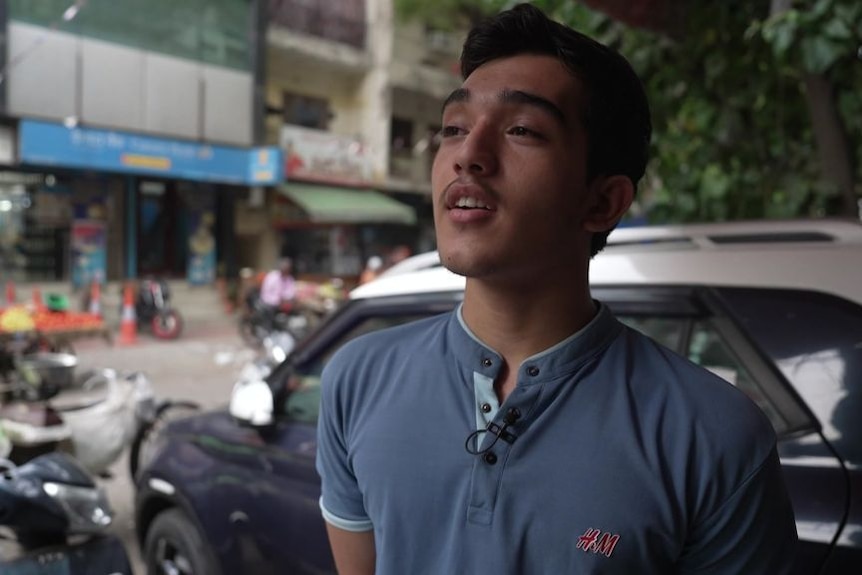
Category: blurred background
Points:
column 191, row 140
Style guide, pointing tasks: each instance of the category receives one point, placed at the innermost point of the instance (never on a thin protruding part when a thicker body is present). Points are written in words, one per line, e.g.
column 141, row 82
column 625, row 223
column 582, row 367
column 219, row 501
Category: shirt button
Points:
column 490, row 458
column 486, row 407
column 487, row 362
column 533, row 371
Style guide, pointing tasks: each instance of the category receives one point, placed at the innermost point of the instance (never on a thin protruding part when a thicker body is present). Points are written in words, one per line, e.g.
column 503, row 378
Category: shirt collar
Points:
column 559, row 359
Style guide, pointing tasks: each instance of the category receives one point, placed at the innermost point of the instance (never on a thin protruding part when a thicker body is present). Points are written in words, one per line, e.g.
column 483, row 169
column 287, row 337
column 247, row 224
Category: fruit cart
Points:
column 49, row 330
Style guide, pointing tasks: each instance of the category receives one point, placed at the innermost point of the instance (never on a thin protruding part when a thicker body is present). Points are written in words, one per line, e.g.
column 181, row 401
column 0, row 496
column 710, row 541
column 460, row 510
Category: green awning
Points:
column 325, row 204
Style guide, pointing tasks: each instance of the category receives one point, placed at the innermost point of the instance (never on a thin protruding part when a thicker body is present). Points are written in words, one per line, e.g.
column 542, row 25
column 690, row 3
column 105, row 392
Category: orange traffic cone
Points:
column 10, row 293
column 128, row 322
column 37, row 299
column 95, row 299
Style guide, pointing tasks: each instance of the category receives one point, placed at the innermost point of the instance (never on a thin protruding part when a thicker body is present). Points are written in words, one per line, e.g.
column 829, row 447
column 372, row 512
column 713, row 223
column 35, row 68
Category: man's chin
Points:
column 470, row 267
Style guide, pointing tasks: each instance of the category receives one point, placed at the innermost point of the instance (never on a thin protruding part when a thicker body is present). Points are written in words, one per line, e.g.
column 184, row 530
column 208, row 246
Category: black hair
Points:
column 615, row 111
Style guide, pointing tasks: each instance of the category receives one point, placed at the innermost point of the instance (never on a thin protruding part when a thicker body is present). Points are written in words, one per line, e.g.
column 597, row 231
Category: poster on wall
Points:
column 89, row 236
column 89, row 251
column 202, row 244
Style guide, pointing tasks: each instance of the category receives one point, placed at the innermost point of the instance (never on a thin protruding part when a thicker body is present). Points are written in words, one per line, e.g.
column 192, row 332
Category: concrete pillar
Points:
column 375, row 92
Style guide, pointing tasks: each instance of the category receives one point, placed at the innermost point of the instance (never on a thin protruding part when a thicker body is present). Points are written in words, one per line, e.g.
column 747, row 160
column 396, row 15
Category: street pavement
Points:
column 201, row 366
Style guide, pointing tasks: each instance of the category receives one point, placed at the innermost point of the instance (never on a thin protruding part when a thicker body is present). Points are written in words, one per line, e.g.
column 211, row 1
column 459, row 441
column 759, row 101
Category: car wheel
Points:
column 174, row 546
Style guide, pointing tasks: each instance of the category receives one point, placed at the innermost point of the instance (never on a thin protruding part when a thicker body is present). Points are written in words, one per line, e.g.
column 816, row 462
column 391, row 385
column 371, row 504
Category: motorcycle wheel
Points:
column 167, row 324
column 174, row 545
column 141, row 446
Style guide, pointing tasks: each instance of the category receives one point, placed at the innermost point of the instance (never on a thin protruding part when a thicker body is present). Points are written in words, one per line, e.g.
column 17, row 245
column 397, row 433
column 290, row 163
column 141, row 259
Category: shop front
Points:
column 329, row 216
column 331, row 231
column 104, row 204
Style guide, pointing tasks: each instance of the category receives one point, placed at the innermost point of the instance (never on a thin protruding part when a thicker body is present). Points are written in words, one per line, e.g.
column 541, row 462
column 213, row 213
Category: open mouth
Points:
column 471, row 203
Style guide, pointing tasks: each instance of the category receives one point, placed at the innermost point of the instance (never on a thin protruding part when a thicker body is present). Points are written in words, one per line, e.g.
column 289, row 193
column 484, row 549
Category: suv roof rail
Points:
column 718, row 235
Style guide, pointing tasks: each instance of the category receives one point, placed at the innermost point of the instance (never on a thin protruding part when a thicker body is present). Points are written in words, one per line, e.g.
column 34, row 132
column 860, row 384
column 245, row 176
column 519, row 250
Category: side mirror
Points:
column 251, row 402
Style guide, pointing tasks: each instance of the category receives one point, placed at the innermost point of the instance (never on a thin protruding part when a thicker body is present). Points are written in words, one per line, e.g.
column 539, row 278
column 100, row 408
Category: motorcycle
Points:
column 261, row 320
column 153, row 308
column 296, row 318
column 58, row 517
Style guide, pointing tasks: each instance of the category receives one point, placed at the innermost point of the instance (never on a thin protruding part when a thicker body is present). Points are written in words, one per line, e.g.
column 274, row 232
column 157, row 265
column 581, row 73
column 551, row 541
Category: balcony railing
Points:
column 340, row 21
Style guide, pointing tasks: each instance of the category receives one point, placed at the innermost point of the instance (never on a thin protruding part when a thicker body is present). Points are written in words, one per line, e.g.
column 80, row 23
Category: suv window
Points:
column 708, row 349
column 815, row 340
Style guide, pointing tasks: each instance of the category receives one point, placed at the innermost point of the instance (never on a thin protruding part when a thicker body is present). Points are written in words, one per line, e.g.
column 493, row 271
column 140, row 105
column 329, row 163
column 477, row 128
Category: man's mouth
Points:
column 469, row 197
column 471, row 203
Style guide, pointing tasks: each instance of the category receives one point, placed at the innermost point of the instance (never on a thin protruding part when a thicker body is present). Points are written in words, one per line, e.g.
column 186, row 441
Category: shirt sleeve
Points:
column 341, row 500
column 269, row 290
column 753, row 531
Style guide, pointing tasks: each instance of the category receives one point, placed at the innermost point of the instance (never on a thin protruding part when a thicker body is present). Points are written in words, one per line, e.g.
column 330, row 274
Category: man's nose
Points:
column 477, row 153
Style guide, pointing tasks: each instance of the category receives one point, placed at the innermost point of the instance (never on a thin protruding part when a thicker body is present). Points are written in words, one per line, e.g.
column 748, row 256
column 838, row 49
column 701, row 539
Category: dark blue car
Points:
column 224, row 493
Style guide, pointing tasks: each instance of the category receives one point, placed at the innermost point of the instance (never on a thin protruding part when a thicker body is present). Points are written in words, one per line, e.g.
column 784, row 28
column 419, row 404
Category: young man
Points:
column 589, row 448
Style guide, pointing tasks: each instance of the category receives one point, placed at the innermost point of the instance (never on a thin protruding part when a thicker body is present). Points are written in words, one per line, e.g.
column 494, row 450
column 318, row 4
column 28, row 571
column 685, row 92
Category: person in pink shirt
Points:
column 279, row 286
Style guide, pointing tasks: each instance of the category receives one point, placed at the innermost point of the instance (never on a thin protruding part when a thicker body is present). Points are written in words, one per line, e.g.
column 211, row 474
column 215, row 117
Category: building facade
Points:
column 133, row 133
column 186, row 139
column 353, row 101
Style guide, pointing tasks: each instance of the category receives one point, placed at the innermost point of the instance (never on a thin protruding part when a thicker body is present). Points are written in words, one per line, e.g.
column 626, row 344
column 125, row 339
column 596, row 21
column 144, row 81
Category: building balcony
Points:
column 340, row 21
column 410, row 172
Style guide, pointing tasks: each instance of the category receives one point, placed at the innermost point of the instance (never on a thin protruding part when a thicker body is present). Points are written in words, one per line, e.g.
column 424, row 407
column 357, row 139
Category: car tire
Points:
column 174, row 545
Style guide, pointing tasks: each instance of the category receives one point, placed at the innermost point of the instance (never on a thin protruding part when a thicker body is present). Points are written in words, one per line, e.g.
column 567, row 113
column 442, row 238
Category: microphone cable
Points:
column 498, row 431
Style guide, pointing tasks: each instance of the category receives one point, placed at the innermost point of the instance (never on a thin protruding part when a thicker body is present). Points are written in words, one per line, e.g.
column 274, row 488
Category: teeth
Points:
column 468, row 202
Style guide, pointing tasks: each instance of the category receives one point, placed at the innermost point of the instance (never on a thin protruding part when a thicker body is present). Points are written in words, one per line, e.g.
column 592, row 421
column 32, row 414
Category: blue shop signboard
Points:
column 49, row 144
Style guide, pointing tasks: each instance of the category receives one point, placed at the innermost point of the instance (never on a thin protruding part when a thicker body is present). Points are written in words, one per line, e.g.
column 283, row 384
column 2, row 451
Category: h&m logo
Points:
column 597, row 542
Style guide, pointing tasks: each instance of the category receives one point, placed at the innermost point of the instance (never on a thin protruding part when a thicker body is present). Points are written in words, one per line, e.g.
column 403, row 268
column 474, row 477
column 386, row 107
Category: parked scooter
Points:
column 59, row 518
column 275, row 349
column 94, row 416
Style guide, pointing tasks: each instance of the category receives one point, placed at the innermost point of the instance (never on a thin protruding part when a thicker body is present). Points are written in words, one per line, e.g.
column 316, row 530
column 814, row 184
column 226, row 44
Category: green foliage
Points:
column 818, row 35
column 732, row 134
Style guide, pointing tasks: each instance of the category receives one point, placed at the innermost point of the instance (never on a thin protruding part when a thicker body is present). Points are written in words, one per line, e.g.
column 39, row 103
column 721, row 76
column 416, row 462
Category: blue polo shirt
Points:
column 625, row 458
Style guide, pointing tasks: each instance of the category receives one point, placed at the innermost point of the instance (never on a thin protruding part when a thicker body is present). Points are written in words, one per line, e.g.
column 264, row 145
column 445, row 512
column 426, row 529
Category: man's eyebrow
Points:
column 511, row 97
column 459, row 95
column 521, row 97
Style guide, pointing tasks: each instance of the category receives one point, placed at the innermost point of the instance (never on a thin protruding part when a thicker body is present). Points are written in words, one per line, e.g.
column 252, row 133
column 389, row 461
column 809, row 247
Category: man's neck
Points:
column 521, row 321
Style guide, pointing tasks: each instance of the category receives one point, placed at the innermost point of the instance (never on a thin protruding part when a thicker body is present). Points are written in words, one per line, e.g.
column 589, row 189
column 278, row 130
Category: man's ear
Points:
column 611, row 197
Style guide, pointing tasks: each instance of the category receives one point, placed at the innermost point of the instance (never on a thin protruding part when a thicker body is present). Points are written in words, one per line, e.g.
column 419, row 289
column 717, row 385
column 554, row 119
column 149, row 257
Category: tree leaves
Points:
column 732, row 133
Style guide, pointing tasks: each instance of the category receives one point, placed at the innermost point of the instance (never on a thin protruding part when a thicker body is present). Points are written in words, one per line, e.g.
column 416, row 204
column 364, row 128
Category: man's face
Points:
column 509, row 181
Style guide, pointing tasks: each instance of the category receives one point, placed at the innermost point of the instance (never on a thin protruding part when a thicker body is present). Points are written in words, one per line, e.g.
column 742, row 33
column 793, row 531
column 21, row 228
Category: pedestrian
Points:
column 373, row 268
column 279, row 286
column 529, row 431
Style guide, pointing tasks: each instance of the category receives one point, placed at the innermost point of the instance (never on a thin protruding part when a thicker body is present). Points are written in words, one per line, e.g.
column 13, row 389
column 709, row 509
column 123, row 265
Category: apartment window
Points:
column 306, row 111
column 401, row 137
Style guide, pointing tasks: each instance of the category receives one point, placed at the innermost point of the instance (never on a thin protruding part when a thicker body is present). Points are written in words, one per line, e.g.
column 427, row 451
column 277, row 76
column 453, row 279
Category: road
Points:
column 201, row 366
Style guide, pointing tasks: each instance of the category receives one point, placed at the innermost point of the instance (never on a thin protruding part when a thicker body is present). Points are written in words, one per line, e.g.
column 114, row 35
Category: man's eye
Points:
column 449, row 131
column 522, row 131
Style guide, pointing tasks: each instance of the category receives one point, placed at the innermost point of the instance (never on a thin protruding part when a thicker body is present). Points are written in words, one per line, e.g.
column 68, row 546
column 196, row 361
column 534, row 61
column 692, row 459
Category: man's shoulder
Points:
column 413, row 340
column 695, row 393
